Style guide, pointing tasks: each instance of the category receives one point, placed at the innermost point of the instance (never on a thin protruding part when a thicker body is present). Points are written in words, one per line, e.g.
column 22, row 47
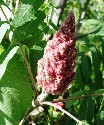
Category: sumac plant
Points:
column 51, row 62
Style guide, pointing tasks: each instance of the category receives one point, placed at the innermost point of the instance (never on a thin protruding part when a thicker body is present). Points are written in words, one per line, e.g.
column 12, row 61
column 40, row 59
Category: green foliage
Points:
column 15, row 91
column 29, row 29
column 1, row 2
column 71, row 102
column 26, row 12
column 30, row 25
column 86, row 111
column 100, row 120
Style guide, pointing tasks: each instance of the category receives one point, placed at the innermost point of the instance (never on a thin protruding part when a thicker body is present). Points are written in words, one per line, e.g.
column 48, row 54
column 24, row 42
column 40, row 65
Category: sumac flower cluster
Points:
column 56, row 68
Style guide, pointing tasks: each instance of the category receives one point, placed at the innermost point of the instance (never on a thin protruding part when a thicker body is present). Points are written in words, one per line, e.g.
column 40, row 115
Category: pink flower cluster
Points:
column 56, row 68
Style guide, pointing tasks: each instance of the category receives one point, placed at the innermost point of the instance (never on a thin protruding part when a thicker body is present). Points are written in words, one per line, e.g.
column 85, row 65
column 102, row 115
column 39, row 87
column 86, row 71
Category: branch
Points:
column 40, row 101
column 67, row 113
column 82, row 15
column 79, row 97
column 62, row 6
column 29, row 70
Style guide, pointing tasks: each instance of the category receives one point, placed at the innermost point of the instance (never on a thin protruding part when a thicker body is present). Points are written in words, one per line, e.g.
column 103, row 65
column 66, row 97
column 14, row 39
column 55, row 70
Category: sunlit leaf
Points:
column 4, row 27
column 9, row 56
column 16, row 92
column 26, row 12
column 29, row 29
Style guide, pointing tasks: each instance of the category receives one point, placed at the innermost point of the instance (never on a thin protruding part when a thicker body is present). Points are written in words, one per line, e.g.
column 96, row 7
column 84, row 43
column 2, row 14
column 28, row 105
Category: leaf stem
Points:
column 67, row 113
column 4, row 15
column 29, row 70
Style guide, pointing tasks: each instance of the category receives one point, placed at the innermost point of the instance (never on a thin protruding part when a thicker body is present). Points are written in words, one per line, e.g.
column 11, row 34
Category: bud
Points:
column 56, row 68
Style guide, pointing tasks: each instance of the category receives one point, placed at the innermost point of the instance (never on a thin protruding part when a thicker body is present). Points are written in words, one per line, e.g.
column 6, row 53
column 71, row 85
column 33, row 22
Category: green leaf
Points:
column 6, row 60
column 44, row 27
column 34, row 39
column 1, row 49
column 35, row 55
column 100, row 120
column 29, row 29
column 69, row 103
column 80, row 77
column 101, row 31
column 103, row 53
column 26, row 12
column 36, row 47
column 2, row 22
column 99, row 91
column 96, row 59
column 5, row 53
column 92, row 25
column 4, row 27
column 86, row 111
column 15, row 92
column 1, row 2
column 90, row 22
column 86, row 67
column 53, row 25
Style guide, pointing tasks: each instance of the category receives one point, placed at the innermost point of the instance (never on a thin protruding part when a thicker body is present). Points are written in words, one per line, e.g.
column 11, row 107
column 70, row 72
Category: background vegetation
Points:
column 25, row 27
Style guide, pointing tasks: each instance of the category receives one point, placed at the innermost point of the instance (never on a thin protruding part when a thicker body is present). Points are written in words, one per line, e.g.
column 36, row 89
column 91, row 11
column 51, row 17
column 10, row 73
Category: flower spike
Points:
column 56, row 68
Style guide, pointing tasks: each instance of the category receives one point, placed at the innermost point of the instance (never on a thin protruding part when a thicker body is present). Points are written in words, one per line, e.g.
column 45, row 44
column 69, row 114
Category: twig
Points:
column 17, row 4
column 79, row 97
column 82, row 15
column 67, row 113
column 62, row 6
column 29, row 70
column 4, row 15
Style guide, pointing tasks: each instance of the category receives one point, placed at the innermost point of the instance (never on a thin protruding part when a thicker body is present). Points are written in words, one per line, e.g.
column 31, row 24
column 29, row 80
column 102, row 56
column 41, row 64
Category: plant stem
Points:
column 67, row 113
column 79, row 97
column 62, row 6
column 4, row 15
column 29, row 70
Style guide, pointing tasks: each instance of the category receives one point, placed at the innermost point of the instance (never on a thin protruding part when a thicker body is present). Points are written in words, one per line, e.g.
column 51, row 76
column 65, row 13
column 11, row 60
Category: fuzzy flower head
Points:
column 56, row 68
